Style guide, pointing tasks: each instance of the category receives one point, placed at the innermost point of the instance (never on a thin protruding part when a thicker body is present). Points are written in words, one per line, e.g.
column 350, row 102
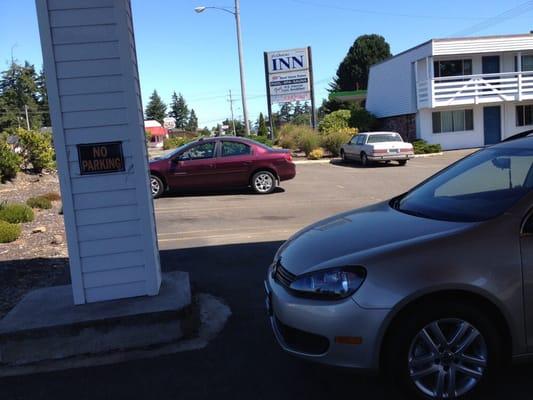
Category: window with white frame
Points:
column 453, row 121
column 452, row 68
column 524, row 115
column 527, row 63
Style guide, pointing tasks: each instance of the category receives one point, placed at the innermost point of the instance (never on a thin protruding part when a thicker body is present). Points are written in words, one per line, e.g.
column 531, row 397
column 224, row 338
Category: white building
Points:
column 460, row 93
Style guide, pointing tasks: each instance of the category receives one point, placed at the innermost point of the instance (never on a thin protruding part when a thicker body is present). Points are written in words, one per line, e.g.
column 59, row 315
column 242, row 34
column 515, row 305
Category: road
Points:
column 244, row 362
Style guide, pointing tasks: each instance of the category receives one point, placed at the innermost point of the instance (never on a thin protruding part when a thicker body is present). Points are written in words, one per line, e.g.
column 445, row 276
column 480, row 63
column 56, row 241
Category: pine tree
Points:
column 179, row 111
column 262, row 129
column 192, row 123
column 285, row 113
column 43, row 99
column 156, row 109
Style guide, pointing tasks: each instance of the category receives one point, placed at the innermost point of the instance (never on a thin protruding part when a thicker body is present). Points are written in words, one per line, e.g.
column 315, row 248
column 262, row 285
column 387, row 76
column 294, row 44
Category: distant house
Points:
column 460, row 93
column 158, row 134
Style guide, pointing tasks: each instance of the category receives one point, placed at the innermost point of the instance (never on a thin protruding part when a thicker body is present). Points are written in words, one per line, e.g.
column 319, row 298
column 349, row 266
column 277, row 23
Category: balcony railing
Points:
column 475, row 89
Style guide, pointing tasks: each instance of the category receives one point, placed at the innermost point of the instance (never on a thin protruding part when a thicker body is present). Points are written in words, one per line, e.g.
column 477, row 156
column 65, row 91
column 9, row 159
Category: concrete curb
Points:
column 428, row 155
column 323, row 161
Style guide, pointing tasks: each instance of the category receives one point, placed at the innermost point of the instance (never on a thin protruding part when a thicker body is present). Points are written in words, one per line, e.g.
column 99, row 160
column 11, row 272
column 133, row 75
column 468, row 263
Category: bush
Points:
column 335, row 121
column 175, row 142
column 262, row 139
column 39, row 202
column 422, row 147
column 9, row 232
column 316, row 154
column 9, row 162
column 362, row 120
column 36, row 149
column 16, row 213
column 308, row 140
column 288, row 136
column 333, row 141
column 52, row 196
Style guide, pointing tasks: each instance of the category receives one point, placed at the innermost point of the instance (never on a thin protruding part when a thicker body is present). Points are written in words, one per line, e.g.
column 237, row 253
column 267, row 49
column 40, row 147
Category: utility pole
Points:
column 232, row 117
column 241, row 68
column 27, row 119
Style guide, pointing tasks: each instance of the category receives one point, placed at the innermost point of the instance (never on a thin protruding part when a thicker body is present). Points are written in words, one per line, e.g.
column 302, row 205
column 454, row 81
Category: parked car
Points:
column 435, row 286
column 221, row 163
column 368, row 147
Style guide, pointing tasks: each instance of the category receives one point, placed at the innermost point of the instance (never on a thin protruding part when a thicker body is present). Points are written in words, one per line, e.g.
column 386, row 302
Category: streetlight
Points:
column 236, row 12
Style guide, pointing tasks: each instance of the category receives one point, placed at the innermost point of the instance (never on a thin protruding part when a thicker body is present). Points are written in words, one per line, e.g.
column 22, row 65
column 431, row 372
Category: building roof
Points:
column 353, row 95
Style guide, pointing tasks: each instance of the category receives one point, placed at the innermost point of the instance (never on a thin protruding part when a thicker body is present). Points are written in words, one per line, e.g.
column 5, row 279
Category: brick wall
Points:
column 405, row 125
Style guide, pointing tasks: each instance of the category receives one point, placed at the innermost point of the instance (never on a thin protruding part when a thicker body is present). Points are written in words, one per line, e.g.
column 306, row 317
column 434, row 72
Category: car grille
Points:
column 282, row 276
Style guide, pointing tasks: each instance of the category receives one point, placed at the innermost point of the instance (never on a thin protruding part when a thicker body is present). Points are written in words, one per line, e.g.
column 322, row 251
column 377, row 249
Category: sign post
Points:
column 90, row 64
column 289, row 77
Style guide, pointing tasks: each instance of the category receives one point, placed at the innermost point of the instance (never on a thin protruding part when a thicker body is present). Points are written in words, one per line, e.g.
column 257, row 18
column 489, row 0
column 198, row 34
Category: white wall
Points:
column 391, row 86
column 509, row 121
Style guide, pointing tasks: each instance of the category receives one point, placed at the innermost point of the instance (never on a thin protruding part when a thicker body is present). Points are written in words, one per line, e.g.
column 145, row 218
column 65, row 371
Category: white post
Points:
column 519, row 68
column 430, row 71
column 415, row 64
column 90, row 64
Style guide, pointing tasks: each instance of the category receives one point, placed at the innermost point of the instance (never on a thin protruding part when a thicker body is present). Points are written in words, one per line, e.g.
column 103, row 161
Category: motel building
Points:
column 459, row 93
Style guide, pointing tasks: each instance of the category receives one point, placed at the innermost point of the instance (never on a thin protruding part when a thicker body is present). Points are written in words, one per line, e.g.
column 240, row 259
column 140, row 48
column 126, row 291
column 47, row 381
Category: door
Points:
column 492, row 125
column 234, row 164
column 194, row 168
column 490, row 64
column 354, row 149
column 526, row 247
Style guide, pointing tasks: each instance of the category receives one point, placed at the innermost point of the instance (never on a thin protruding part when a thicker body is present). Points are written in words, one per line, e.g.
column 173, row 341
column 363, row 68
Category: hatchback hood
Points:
column 354, row 232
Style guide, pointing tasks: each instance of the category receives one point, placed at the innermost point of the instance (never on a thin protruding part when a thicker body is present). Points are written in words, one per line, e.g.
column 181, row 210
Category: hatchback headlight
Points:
column 336, row 283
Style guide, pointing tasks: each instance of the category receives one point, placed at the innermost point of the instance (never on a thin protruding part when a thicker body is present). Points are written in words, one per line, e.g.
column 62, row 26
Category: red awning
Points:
column 157, row 131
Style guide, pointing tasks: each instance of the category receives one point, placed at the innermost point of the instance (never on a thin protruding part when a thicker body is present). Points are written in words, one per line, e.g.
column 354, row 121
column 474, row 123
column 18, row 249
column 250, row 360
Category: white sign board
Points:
column 169, row 123
column 289, row 75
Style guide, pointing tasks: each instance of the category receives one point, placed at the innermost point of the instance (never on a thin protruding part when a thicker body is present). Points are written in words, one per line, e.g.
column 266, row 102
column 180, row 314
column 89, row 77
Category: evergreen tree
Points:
column 156, row 109
column 18, row 89
column 44, row 107
column 179, row 111
column 285, row 113
column 298, row 109
column 192, row 123
column 262, row 129
column 239, row 127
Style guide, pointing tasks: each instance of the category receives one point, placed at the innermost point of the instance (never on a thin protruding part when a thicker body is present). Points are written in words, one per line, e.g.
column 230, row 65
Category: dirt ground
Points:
column 39, row 257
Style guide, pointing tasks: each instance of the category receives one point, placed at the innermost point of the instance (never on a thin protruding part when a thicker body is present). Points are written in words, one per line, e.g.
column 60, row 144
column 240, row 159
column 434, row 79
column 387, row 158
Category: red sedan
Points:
column 221, row 163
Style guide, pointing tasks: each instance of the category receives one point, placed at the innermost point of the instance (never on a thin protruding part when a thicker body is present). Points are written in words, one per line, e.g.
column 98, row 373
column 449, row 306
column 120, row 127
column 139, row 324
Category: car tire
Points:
column 407, row 354
column 364, row 159
column 263, row 182
column 402, row 163
column 157, row 186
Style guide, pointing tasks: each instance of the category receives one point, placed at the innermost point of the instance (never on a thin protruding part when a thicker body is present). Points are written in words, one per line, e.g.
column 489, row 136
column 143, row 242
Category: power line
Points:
column 375, row 12
column 506, row 15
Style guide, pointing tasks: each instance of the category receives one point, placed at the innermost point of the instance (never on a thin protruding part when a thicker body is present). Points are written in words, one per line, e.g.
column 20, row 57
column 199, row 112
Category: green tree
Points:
column 42, row 93
column 285, row 113
column 179, row 110
column 239, row 127
column 335, row 122
column 262, row 129
column 192, row 123
column 352, row 73
column 205, row 131
column 18, row 89
column 361, row 119
column 156, row 109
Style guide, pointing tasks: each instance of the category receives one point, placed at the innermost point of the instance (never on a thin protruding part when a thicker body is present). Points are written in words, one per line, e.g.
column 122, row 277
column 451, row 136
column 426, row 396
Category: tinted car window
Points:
column 480, row 187
column 200, row 151
column 384, row 138
column 361, row 139
column 235, row 149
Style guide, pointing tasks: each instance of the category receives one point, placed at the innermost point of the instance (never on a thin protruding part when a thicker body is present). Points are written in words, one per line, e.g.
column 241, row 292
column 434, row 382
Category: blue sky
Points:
column 196, row 54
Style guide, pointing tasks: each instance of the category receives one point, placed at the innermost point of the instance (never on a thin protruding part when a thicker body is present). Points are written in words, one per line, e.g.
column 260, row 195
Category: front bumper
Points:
column 390, row 157
column 308, row 328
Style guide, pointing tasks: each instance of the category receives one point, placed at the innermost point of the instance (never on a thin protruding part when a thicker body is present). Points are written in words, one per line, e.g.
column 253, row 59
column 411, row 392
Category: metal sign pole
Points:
column 312, row 86
column 269, row 101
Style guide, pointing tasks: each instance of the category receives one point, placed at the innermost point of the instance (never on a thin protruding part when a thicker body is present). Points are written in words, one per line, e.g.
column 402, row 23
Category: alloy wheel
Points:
column 447, row 359
column 155, row 186
column 263, row 182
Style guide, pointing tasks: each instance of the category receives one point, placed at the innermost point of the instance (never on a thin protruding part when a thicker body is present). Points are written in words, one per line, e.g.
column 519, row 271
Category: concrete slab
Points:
column 46, row 325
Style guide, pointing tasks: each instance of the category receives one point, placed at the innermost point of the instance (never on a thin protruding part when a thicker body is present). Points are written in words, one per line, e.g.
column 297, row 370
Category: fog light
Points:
column 354, row 340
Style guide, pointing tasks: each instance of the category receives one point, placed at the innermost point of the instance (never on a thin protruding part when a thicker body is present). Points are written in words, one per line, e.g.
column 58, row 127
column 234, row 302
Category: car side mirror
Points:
column 502, row 162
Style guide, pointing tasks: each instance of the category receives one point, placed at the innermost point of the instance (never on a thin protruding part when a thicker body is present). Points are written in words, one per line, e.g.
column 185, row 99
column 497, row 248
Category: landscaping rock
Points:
column 39, row 229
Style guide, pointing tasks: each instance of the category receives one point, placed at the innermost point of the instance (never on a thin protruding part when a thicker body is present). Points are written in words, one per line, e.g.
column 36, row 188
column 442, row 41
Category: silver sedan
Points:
column 434, row 287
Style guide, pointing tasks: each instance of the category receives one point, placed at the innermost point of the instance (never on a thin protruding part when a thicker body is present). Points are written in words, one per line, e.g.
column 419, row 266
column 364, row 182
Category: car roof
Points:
column 378, row 133
column 520, row 143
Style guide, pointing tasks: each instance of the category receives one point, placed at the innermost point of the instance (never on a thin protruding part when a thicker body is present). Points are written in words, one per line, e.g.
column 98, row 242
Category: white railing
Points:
column 475, row 89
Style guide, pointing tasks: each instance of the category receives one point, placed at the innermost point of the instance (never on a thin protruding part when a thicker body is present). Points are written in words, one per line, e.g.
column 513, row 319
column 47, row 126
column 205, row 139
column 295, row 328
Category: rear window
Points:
column 384, row 138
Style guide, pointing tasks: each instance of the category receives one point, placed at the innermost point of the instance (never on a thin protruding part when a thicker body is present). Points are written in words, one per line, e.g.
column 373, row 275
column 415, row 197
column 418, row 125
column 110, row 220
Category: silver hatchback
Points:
column 434, row 287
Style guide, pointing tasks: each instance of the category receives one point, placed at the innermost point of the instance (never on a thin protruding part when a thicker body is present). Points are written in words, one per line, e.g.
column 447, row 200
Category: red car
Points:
column 221, row 163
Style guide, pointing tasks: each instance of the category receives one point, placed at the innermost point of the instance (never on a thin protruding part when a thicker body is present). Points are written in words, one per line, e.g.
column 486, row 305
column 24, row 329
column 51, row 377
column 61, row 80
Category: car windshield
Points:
column 384, row 138
column 480, row 187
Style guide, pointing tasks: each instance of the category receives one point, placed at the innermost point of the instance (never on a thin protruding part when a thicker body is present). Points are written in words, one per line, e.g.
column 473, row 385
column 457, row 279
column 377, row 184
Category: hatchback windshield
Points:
column 384, row 138
column 480, row 187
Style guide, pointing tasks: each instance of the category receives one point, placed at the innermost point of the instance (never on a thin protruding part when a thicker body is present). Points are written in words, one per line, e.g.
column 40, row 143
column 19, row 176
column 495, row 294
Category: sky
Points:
column 196, row 54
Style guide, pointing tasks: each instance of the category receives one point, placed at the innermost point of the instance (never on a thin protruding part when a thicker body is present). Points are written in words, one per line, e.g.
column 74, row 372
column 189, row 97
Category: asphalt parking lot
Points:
column 318, row 191
column 225, row 242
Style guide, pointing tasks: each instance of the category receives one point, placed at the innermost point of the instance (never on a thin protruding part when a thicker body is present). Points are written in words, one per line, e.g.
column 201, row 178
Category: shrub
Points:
column 9, row 162
column 308, row 140
column 362, row 120
column 422, row 147
column 288, row 136
column 333, row 141
column 52, row 196
column 39, row 202
column 16, row 213
column 262, row 139
column 316, row 154
column 175, row 142
column 9, row 232
column 335, row 121
column 36, row 149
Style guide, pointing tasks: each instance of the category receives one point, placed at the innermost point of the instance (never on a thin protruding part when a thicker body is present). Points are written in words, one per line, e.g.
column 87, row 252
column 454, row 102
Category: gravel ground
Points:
column 39, row 257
